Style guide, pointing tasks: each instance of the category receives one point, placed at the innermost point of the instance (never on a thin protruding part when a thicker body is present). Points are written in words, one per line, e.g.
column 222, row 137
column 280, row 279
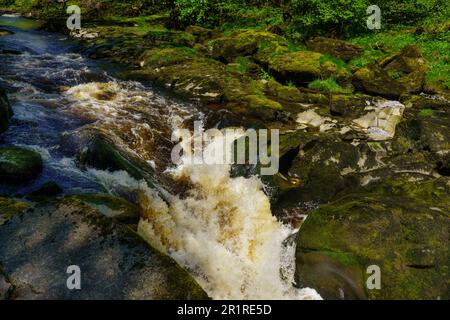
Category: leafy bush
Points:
column 412, row 11
column 322, row 16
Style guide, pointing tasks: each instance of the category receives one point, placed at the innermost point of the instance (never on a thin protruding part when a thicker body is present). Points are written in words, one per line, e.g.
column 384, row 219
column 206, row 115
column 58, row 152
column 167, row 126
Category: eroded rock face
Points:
column 337, row 48
column 395, row 75
column 36, row 247
column 400, row 226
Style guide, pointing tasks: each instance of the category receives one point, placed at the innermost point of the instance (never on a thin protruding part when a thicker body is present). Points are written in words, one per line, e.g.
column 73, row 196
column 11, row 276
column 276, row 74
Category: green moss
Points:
column 111, row 206
column 329, row 85
column 19, row 165
column 9, row 208
column 426, row 112
column 259, row 101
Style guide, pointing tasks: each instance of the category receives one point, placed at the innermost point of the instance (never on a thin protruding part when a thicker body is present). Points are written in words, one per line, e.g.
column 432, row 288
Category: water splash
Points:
column 222, row 230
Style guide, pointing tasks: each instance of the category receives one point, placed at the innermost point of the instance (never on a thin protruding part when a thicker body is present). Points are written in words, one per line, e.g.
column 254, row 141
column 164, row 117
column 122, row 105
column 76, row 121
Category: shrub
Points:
column 322, row 16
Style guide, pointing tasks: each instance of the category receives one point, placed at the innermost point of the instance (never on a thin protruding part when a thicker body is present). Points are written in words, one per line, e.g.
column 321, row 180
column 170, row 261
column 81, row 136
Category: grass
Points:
column 426, row 112
column 434, row 43
column 328, row 85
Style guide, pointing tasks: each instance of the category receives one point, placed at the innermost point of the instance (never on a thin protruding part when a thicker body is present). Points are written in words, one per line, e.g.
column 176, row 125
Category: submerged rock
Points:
column 18, row 165
column 5, row 111
column 400, row 226
column 4, row 32
column 37, row 247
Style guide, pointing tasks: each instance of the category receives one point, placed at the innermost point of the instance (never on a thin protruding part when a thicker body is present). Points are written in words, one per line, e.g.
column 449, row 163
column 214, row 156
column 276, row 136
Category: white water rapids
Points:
column 221, row 230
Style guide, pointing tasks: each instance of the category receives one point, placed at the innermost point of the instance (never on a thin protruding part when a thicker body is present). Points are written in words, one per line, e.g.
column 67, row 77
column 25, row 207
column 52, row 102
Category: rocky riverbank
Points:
column 365, row 152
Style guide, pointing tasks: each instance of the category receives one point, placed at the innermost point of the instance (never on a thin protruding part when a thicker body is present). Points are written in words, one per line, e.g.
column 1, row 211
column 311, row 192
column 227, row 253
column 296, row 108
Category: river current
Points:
column 219, row 228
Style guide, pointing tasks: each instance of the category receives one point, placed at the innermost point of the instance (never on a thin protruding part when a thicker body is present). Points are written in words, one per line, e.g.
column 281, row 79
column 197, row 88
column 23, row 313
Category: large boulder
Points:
column 5, row 111
column 259, row 44
column 401, row 227
column 37, row 247
column 334, row 47
column 18, row 165
column 302, row 67
column 395, row 75
column 326, row 165
column 426, row 128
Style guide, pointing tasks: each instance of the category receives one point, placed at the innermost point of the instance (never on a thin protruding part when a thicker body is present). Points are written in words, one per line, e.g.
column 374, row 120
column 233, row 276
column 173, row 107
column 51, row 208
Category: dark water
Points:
column 38, row 68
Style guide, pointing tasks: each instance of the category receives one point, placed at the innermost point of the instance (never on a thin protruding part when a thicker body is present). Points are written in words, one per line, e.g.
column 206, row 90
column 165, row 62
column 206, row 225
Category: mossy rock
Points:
column 5, row 111
column 302, row 67
column 18, row 165
column 11, row 207
column 395, row 75
column 201, row 34
column 112, row 206
column 292, row 94
column 99, row 151
column 245, row 43
column 115, row 262
column 161, row 57
column 348, row 105
column 334, row 47
column 400, row 226
column 170, row 37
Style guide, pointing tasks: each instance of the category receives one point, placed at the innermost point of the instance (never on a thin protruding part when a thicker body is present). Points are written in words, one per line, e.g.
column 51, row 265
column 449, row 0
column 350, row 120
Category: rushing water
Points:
column 219, row 228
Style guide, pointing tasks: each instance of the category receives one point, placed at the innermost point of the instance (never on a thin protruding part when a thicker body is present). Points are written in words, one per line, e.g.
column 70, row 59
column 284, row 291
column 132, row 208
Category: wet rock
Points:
column 395, row 75
column 37, row 247
column 9, row 208
column 112, row 207
column 18, row 165
column 101, row 152
column 334, row 47
column 302, row 67
column 400, row 226
column 5, row 111
column 48, row 189
column 4, row 32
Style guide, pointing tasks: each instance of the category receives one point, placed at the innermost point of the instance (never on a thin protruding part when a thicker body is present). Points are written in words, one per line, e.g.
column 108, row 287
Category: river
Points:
column 219, row 228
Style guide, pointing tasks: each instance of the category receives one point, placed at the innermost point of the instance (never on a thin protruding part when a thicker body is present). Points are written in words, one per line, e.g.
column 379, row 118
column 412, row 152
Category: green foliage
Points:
column 265, row 75
column 321, row 16
column 329, row 85
column 426, row 112
column 412, row 11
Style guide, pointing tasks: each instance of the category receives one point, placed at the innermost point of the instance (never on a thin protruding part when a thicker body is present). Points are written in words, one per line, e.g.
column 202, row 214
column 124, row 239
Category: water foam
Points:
column 222, row 231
